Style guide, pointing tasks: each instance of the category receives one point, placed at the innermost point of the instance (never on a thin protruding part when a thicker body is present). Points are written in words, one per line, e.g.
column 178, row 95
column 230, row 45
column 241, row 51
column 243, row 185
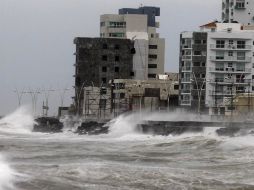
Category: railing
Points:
column 185, row 80
column 231, row 81
column 230, row 58
column 185, row 102
column 186, row 57
column 231, row 47
column 186, row 91
column 229, row 69
column 186, row 69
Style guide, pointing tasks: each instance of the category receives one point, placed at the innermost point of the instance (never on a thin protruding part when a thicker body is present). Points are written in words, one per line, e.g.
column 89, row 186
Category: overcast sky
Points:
column 36, row 39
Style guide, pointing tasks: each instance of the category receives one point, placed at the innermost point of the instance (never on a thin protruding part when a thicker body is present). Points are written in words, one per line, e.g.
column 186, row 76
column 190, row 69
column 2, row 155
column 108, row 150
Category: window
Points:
column 104, row 69
column 117, row 46
column 197, row 52
column 203, row 76
column 104, row 80
column 117, row 24
column 116, row 69
column 122, row 95
column 102, row 24
column 196, row 64
column 152, row 66
column 241, row 44
column 116, row 35
column 102, row 103
column 197, row 42
column 219, row 55
column 240, row 5
column 153, row 47
column 220, row 43
column 152, row 56
column 203, row 64
column 104, row 46
column 151, row 75
column 152, row 35
column 230, row 42
column 204, row 41
column 117, row 58
column 176, row 87
column 230, row 53
column 104, row 58
column 103, row 91
column 132, row 74
column 240, row 55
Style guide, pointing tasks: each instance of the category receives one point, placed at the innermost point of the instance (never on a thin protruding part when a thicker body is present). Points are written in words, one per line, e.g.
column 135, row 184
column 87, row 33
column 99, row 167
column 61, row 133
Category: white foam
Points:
column 20, row 121
column 7, row 175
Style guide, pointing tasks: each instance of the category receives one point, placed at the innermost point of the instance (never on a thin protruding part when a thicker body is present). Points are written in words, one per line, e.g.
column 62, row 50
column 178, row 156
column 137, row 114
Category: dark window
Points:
column 103, row 103
column 122, row 95
column 152, row 66
column 240, row 44
column 103, row 91
column 117, row 69
column 153, row 47
column 151, row 75
column 104, row 80
column 197, row 52
column 203, row 64
column 176, row 87
column 102, row 24
column 152, row 35
column 104, row 69
column 196, row 64
column 132, row 74
column 104, row 58
column 104, row 46
column 117, row 46
column 197, row 41
column 152, row 92
column 220, row 43
column 117, row 58
column 152, row 56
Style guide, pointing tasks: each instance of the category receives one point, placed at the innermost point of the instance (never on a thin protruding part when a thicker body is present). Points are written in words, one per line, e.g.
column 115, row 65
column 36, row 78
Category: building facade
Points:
column 216, row 67
column 140, row 26
column 99, row 60
column 241, row 11
column 192, row 73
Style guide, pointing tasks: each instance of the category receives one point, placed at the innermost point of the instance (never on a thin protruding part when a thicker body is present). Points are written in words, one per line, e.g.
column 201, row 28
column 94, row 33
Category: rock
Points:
column 228, row 131
column 48, row 125
column 92, row 128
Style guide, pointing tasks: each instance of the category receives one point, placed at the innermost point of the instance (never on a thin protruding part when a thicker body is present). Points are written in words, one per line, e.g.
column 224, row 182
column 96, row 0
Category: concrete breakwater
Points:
column 164, row 128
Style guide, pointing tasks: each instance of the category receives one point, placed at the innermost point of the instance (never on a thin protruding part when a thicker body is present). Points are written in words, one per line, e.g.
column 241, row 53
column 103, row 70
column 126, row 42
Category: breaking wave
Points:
column 20, row 121
column 7, row 175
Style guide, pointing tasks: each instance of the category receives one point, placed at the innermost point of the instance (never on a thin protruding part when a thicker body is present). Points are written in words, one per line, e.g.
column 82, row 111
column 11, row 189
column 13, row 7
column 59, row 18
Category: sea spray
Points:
column 20, row 121
column 6, row 175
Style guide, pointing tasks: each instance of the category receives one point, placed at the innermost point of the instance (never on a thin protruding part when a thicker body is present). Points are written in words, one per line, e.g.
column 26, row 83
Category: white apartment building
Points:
column 229, row 66
column 241, row 11
column 227, row 57
column 138, row 25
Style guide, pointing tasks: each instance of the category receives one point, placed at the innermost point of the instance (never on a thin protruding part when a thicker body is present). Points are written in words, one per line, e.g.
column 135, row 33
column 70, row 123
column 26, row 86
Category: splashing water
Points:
column 6, row 175
column 20, row 121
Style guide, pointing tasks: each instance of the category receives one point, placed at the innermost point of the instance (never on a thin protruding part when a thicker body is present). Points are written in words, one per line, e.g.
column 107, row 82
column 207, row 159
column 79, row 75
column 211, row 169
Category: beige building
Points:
column 138, row 25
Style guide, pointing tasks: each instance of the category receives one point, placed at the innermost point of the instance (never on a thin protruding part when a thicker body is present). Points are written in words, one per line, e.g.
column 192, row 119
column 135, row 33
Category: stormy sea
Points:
column 123, row 159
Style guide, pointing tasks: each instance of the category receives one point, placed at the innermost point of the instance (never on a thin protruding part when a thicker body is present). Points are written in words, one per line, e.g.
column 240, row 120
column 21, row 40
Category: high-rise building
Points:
column 241, row 11
column 99, row 60
column 215, row 66
column 140, row 26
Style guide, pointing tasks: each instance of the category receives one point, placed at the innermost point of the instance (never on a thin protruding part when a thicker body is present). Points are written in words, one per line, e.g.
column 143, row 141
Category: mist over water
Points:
column 122, row 159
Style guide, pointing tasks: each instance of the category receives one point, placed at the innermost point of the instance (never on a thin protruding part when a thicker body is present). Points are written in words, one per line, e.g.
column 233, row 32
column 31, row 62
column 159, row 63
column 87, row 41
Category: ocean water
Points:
column 122, row 159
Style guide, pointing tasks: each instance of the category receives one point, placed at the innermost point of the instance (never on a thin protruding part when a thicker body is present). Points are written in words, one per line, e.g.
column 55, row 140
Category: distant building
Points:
column 99, row 60
column 215, row 67
column 241, row 11
column 140, row 26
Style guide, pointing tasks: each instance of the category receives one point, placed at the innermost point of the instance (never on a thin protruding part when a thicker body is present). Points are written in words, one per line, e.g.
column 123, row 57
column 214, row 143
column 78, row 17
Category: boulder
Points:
column 48, row 125
column 92, row 128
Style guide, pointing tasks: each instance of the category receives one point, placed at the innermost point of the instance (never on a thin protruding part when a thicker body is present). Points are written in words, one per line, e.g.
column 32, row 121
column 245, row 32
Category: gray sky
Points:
column 36, row 39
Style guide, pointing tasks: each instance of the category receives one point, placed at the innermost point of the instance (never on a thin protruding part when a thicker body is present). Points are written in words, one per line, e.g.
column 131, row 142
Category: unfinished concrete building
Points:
column 99, row 60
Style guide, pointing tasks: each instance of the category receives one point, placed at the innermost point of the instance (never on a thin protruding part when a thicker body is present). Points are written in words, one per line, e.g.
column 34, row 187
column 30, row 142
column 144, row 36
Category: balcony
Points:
column 222, row 93
column 230, row 81
column 186, row 46
column 185, row 91
column 186, row 80
column 230, row 59
column 186, row 69
column 185, row 102
column 186, row 57
column 231, row 47
column 229, row 70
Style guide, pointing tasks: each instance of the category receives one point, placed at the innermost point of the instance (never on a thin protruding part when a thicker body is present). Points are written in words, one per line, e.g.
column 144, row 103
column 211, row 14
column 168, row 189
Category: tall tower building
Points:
column 241, row 11
column 139, row 25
